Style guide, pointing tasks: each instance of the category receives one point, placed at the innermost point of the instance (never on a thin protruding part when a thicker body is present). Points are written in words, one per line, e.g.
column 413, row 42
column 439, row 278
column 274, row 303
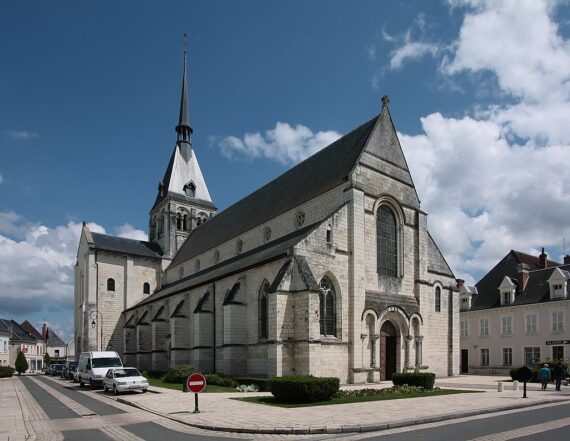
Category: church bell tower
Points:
column 183, row 201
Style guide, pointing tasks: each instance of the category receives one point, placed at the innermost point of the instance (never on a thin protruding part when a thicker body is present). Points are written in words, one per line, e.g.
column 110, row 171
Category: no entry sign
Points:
column 196, row 383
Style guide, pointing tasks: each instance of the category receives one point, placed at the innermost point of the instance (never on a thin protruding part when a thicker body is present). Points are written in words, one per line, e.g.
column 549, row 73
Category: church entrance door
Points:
column 388, row 349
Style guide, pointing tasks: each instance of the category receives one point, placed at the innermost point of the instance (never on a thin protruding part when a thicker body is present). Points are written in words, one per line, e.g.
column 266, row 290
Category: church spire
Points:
column 183, row 128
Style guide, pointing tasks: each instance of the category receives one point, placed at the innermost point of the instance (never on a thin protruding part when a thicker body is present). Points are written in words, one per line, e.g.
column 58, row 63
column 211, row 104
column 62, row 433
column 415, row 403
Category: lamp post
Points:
column 93, row 316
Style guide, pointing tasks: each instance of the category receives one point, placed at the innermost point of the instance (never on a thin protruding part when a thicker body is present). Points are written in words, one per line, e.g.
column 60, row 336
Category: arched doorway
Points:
column 388, row 348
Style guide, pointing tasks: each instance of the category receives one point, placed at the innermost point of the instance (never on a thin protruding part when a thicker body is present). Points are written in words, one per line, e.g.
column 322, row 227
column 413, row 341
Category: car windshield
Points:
column 106, row 362
column 132, row 372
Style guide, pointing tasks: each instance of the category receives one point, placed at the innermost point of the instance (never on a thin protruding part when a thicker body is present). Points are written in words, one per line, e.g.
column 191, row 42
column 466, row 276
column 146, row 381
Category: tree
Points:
column 21, row 363
column 47, row 359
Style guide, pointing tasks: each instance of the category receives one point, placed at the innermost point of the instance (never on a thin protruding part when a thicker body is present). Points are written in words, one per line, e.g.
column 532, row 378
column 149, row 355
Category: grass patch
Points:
column 355, row 399
column 210, row 388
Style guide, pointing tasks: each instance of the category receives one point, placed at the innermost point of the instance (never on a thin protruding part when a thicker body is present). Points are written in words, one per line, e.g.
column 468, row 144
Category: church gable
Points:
column 436, row 262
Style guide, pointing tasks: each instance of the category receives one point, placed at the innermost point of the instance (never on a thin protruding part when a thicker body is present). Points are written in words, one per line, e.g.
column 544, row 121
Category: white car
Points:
column 124, row 379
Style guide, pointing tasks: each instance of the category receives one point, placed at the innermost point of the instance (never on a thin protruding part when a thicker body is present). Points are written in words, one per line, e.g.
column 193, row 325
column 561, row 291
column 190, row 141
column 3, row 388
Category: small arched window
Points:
column 146, row 288
column 190, row 189
column 329, row 234
column 185, row 222
column 327, row 307
column 110, row 284
column 263, row 310
column 437, row 299
column 387, row 242
column 178, row 221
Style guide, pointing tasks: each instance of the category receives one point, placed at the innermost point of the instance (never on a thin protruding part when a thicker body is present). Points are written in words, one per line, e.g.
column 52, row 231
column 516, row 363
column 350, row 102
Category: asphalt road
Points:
column 105, row 419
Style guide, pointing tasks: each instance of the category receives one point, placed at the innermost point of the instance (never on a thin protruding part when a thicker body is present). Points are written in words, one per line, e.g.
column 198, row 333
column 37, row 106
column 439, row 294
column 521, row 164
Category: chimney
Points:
column 567, row 259
column 543, row 263
column 522, row 269
column 44, row 331
column 460, row 283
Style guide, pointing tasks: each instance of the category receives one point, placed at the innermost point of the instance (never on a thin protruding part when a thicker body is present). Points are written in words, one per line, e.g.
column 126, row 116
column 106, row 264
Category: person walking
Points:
column 544, row 376
column 558, row 375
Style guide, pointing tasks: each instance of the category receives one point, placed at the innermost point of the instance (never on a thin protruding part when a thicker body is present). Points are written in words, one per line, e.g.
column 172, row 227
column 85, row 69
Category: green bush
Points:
column 261, row 383
column 6, row 371
column 420, row 379
column 513, row 372
column 216, row 380
column 303, row 389
column 21, row 363
column 178, row 374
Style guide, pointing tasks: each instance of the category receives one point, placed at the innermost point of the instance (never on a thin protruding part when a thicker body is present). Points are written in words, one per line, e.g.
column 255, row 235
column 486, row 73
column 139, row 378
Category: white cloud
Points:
column 36, row 263
column 21, row 134
column 411, row 50
column 130, row 232
column 285, row 143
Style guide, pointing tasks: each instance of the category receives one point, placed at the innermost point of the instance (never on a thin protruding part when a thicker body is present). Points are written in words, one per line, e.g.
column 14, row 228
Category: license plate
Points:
column 133, row 387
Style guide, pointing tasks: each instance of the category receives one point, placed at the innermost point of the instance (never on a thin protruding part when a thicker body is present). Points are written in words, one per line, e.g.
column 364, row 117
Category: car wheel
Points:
column 144, row 391
column 80, row 382
column 115, row 391
column 104, row 387
column 91, row 385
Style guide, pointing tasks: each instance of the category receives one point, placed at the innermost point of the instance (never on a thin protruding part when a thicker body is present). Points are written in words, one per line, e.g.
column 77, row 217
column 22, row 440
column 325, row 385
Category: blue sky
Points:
column 89, row 96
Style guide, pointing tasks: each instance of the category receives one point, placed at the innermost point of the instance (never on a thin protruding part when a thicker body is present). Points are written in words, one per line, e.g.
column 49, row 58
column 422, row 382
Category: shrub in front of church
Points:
column 392, row 392
column 425, row 380
column 217, row 380
column 513, row 372
column 6, row 371
column 304, row 389
column 21, row 364
column 178, row 374
column 261, row 383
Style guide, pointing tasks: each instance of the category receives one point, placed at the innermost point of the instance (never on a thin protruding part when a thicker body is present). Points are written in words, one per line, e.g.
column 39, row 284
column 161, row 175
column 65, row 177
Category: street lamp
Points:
column 93, row 316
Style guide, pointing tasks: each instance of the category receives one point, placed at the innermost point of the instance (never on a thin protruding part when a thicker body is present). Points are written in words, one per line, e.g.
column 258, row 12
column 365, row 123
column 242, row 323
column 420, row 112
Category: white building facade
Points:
column 519, row 315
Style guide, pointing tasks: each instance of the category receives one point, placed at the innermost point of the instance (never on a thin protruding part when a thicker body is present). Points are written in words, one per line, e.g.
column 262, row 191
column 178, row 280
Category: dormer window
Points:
column 190, row 190
column 559, row 284
column 507, row 291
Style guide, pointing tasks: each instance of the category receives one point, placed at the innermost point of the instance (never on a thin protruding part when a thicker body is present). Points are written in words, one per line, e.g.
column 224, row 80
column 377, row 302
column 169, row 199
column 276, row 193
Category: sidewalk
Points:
column 219, row 412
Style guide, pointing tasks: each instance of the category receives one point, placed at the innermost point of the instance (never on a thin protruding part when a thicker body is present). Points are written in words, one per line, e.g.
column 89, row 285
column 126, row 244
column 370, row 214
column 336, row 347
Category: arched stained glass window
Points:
column 437, row 299
column 146, row 288
column 110, row 284
column 327, row 307
column 387, row 242
column 263, row 310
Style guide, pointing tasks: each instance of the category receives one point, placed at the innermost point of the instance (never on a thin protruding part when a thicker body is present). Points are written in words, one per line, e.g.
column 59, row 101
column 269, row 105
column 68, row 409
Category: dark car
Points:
column 56, row 369
column 70, row 370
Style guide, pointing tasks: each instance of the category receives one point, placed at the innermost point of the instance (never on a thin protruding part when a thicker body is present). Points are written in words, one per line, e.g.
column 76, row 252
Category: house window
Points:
column 507, row 356
column 558, row 353
column 146, row 288
column 531, row 355
column 484, row 327
column 464, row 328
column 387, row 242
column 484, row 357
column 327, row 307
column 110, row 284
column 57, row 353
column 531, row 324
column 507, row 298
column 557, row 321
column 263, row 310
column 557, row 291
column 507, row 325
column 437, row 299
column 190, row 190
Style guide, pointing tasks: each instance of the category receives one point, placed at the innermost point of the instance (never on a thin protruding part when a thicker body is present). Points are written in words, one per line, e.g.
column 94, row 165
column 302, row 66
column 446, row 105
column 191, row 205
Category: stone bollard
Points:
column 515, row 386
column 500, row 386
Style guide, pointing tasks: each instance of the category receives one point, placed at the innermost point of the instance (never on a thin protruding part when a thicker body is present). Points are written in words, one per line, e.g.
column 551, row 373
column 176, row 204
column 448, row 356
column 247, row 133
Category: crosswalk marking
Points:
column 525, row 431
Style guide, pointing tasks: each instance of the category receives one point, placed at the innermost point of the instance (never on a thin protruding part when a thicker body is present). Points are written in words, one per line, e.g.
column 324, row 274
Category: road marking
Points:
column 79, row 409
column 120, row 434
column 525, row 431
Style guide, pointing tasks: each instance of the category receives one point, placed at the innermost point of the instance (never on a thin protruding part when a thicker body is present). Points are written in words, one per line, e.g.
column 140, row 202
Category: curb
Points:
column 346, row 429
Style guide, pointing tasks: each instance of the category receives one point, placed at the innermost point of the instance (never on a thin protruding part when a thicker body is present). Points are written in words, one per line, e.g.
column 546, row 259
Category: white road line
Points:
column 525, row 431
column 79, row 409
column 120, row 434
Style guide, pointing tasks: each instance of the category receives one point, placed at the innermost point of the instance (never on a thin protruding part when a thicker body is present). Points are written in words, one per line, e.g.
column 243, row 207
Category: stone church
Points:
column 327, row 270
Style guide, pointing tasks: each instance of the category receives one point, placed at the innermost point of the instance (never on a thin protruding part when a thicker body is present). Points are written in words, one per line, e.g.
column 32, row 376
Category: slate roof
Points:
column 265, row 253
column 127, row 246
column 18, row 333
column 436, row 262
column 323, row 171
column 53, row 340
column 4, row 327
column 31, row 330
column 536, row 290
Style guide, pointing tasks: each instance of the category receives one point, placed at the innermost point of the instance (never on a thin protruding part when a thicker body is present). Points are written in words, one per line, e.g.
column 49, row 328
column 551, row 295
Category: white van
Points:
column 94, row 365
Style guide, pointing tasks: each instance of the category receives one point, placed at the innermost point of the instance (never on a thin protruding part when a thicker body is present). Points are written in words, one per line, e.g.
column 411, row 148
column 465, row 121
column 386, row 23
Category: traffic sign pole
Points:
column 196, row 383
column 196, row 408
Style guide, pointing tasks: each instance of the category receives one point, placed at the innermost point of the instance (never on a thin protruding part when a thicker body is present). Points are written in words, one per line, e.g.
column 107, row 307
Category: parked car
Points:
column 93, row 366
column 123, row 380
column 70, row 370
column 55, row 369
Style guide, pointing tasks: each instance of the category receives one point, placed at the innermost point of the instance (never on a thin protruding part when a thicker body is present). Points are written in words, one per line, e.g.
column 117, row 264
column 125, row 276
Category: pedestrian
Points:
column 544, row 376
column 558, row 374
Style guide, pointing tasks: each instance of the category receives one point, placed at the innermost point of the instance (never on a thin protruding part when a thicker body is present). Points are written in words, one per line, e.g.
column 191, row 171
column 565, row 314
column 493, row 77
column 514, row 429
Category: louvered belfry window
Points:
column 387, row 242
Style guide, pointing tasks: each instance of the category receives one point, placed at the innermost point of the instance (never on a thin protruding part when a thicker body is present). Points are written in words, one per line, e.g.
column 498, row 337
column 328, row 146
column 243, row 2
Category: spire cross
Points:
column 385, row 101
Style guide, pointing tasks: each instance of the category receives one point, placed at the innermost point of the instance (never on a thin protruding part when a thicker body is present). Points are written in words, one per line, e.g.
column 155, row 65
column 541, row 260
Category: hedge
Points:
column 261, row 383
column 6, row 371
column 178, row 374
column 303, row 389
column 420, row 379
column 217, row 380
